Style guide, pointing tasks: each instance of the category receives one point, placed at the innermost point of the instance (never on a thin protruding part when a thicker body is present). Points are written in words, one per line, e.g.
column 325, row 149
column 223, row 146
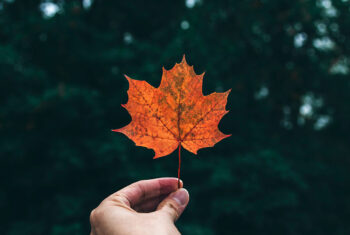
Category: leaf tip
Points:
column 127, row 77
column 226, row 136
column 156, row 156
column 183, row 57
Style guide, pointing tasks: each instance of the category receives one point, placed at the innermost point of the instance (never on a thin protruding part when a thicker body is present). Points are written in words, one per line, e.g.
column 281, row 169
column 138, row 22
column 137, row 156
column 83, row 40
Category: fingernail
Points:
column 181, row 196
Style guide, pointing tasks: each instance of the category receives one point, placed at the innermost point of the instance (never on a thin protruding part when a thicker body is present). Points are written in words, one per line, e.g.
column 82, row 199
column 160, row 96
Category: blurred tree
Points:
column 285, row 170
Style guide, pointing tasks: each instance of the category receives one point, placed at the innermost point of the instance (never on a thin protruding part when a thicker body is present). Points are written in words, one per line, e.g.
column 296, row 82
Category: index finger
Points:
column 144, row 190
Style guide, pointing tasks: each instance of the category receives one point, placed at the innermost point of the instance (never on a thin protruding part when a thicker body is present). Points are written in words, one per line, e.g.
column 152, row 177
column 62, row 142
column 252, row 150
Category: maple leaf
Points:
column 175, row 114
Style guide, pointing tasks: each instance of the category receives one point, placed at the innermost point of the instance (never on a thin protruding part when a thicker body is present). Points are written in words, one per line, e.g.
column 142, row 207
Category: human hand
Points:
column 145, row 207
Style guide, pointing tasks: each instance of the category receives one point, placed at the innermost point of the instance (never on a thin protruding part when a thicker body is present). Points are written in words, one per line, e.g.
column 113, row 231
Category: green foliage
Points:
column 285, row 170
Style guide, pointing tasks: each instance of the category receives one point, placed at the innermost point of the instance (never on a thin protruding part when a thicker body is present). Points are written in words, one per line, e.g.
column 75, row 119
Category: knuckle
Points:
column 120, row 199
column 92, row 216
column 95, row 215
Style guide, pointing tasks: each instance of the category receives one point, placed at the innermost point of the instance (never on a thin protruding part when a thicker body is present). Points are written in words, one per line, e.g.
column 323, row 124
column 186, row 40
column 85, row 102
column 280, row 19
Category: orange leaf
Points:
column 175, row 114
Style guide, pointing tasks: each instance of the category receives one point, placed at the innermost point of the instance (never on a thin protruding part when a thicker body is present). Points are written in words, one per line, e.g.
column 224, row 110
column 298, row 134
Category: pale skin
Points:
column 145, row 207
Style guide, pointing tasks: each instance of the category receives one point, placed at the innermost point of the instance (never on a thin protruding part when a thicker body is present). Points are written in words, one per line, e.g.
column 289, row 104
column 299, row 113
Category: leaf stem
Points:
column 178, row 171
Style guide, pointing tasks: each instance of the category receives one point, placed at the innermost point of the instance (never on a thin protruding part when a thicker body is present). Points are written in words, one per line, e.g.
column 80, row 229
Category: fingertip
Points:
column 181, row 184
column 181, row 196
column 169, row 185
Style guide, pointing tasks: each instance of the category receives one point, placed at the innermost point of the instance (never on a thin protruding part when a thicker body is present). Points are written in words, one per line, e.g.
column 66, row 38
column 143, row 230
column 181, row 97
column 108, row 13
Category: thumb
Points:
column 174, row 204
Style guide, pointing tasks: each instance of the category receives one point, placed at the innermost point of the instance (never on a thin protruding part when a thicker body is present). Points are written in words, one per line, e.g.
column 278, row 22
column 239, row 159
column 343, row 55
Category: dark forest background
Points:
column 284, row 170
